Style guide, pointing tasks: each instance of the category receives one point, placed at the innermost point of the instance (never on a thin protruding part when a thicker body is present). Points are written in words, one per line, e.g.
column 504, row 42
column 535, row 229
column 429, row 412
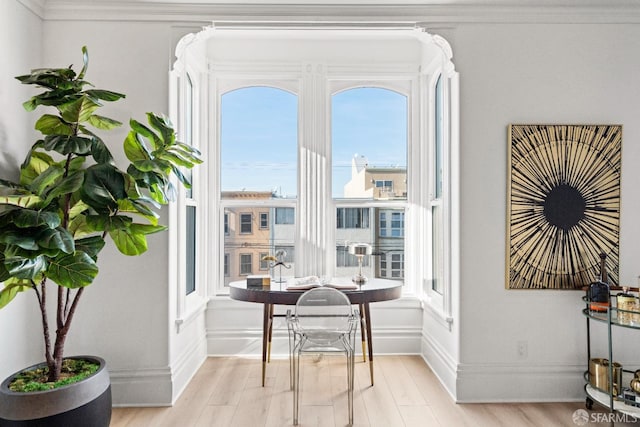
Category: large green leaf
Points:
column 105, row 95
column 25, row 218
column 100, row 152
column 24, row 264
column 57, row 238
column 19, row 238
column 103, row 187
column 68, row 144
column 73, row 271
column 144, row 133
column 35, row 163
column 146, row 228
column 134, row 149
column 77, row 208
column 9, row 292
column 78, row 110
column 104, row 123
column 46, row 179
column 22, row 200
column 90, row 245
column 85, row 62
column 67, row 185
column 51, row 78
column 49, row 124
column 107, row 222
column 164, row 126
column 4, row 274
column 135, row 207
column 79, row 228
column 129, row 242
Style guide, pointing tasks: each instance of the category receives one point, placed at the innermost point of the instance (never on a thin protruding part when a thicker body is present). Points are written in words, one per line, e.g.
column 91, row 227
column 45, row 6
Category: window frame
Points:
column 186, row 87
column 242, row 264
column 241, row 224
column 442, row 199
column 310, row 80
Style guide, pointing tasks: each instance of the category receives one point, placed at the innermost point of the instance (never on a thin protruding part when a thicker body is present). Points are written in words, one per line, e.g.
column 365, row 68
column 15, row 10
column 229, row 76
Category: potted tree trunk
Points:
column 69, row 199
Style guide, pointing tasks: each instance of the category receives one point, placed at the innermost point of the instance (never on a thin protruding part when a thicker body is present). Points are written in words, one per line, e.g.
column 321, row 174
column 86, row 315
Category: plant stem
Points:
column 61, row 336
column 42, row 303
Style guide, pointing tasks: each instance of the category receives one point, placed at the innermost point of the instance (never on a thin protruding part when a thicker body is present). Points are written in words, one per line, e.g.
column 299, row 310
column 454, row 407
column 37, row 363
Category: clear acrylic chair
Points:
column 324, row 321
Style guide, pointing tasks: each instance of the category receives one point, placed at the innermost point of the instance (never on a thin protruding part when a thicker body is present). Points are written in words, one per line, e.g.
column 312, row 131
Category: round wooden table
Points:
column 374, row 290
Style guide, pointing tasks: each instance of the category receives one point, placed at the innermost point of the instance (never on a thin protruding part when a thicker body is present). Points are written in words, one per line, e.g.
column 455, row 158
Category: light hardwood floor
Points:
column 226, row 392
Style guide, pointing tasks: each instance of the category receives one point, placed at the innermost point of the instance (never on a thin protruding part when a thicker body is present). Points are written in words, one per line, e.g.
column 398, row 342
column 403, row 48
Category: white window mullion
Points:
column 313, row 183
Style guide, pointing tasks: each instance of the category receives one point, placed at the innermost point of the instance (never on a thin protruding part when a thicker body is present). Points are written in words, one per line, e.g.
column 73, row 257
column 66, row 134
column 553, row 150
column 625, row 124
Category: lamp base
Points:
column 359, row 279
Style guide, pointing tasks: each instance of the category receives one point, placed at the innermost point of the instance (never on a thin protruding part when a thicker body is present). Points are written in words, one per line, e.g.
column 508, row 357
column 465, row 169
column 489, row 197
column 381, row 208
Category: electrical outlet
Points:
column 522, row 350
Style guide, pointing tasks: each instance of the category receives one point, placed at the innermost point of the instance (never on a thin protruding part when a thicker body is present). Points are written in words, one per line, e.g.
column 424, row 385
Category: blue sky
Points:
column 259, row 136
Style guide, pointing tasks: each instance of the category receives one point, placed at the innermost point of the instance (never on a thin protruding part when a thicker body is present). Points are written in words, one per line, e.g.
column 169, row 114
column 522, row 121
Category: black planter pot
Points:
column 83, row 404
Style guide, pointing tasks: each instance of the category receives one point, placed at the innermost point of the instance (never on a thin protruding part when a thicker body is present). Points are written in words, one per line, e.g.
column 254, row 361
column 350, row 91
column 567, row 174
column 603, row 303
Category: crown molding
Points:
column 35, row 6
column 303, row 14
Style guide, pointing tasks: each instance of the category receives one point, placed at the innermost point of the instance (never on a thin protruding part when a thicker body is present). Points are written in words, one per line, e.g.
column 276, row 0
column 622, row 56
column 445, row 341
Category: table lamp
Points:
column 359, row 250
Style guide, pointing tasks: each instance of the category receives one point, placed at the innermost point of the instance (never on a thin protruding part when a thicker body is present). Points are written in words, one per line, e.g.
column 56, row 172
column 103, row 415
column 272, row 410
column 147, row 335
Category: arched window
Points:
column 369, row 178
column 258, row 177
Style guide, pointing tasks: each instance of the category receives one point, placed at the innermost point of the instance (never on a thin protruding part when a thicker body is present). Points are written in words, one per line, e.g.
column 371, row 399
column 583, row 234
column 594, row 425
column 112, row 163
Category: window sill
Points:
column 438, row 315
column 192, row 314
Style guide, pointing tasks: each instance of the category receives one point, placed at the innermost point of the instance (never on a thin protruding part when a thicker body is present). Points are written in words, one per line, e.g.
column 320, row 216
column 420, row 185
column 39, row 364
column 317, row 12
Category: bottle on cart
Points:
column 598, row 293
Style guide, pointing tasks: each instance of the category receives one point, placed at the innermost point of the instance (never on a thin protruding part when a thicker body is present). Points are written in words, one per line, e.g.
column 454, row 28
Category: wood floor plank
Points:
column 215, row 416
column 401, row 384
column 227, row 392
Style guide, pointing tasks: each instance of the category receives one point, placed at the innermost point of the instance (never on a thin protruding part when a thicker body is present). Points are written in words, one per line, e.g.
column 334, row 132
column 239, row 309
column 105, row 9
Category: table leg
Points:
column 362, row 333
column 367, row 318
column 265, row 338
column 270, row 333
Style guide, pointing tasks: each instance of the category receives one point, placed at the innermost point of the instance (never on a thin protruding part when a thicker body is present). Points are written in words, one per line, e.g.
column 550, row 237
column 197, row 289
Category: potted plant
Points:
column 69, row 199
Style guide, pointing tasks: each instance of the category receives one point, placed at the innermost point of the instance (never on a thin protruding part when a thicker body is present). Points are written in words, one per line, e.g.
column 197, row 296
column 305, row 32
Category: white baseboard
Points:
column 249, row 342
column 157, row 386
column 442, row 364
column 141, row 387
column 187, row 365
column 520, row 383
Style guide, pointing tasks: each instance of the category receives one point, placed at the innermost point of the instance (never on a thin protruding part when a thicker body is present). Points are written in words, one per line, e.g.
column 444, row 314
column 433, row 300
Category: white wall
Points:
column 525, row 73
column 20, row 46
column 535, row 74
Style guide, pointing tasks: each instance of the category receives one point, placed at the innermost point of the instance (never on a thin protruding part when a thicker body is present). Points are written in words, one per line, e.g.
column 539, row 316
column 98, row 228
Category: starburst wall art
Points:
column 563, row 205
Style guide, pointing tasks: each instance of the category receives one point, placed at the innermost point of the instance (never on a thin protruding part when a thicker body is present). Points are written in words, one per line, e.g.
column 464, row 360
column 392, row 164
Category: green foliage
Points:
column 73, row 370
column 71, row 195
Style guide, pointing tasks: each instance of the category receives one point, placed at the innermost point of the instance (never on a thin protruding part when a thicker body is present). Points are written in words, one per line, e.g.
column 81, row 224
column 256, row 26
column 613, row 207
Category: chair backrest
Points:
column 323, row 310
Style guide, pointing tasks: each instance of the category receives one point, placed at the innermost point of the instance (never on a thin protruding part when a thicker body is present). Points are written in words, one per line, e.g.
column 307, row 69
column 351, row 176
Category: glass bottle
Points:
column 598, row 293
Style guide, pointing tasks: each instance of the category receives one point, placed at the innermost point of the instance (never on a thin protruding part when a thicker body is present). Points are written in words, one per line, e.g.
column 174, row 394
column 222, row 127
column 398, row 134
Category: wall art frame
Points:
column 563, row 207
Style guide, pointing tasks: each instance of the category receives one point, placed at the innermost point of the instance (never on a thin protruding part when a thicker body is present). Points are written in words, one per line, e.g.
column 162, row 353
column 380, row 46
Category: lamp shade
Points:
column 360, row 249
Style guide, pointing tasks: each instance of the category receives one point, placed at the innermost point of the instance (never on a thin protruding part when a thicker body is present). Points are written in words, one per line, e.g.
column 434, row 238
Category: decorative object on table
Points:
column 628, row 308
column 563, row 204
column 598, row 292
column 360, row 250
column 277, row 261
column 258, row 281
column 55, row 220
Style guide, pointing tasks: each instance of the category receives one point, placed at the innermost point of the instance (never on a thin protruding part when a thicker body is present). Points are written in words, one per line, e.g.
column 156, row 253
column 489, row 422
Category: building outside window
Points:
column 352, row 218
column 285, row 216
column 246, row 265
column 246, row 223
column 264, row 220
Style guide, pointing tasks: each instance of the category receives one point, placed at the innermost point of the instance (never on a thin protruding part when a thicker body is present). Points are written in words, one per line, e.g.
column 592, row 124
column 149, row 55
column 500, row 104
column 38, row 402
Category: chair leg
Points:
column 363, row 334
column 291, row 350
column 296, row 387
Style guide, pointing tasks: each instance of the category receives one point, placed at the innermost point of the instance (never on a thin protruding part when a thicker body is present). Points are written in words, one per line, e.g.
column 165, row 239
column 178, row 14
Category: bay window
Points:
column 321, row 139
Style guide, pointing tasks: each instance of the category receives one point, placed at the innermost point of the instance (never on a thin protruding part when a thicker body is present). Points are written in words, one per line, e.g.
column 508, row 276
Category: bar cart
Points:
column 606, row 382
